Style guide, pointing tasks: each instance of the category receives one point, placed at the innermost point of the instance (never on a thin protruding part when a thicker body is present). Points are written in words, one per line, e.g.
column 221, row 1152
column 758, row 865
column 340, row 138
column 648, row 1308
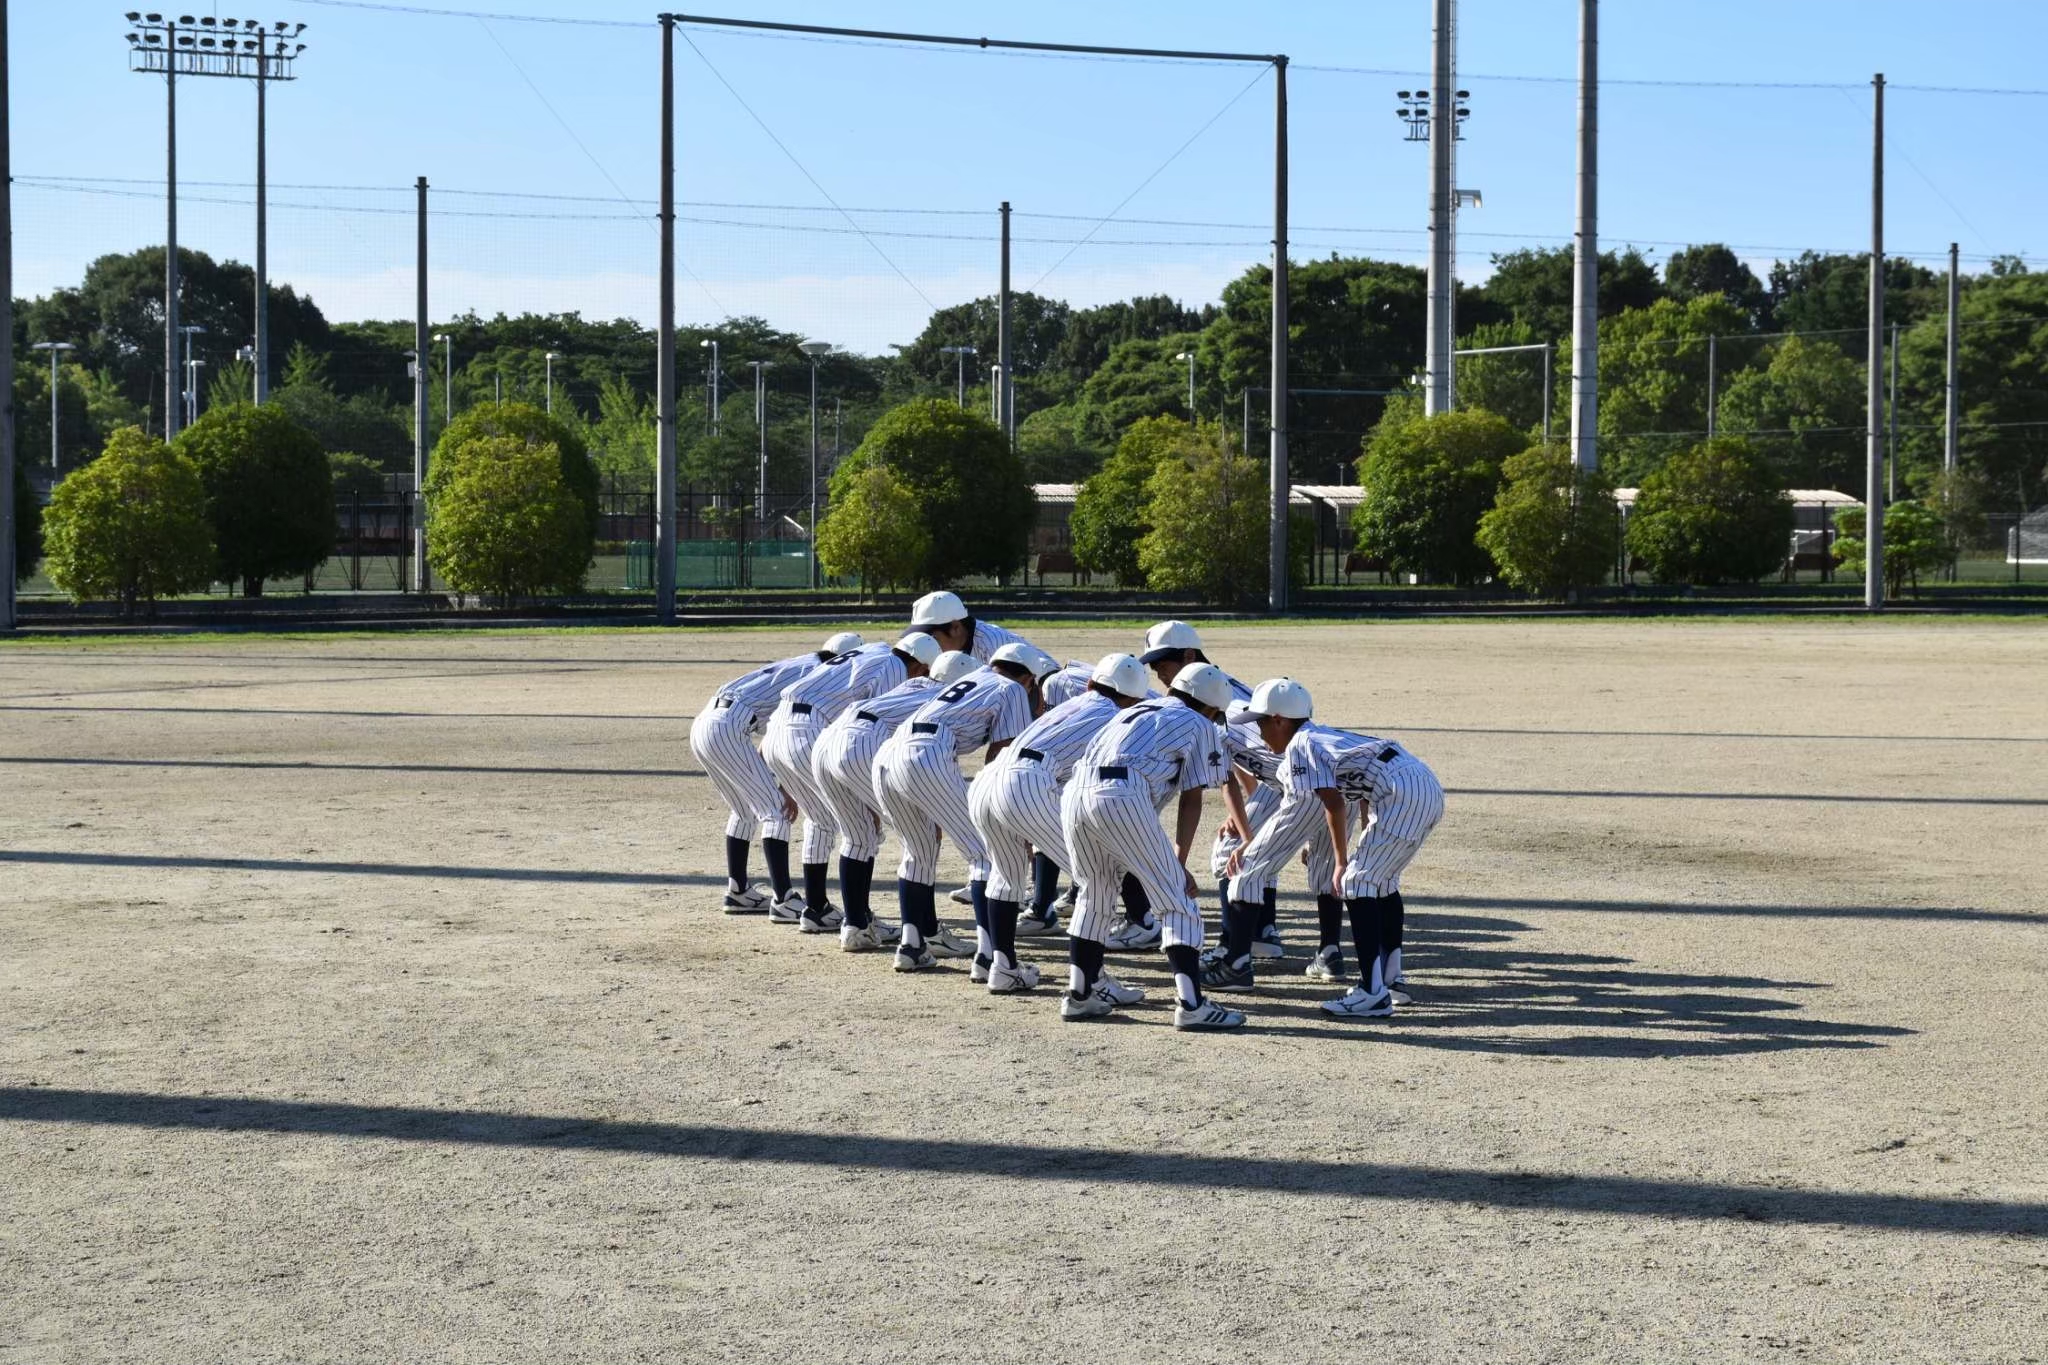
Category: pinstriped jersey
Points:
column 1321, row 756
column 988, row 639
column 1169, row 744
column 1064, row 733
column 755, row 694
column 982, row 708
column 1067, row 684
column 1247, row 751
column 889, row 710
column 845, row 678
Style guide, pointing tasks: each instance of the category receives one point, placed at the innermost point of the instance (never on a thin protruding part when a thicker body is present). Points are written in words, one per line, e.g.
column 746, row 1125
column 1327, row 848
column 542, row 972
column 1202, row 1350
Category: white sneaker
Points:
column 787, row 909
column 1065, row 904
column 1030, row 925
column 1133, row 938
column 962, row 896
column 1116, row 992
column 1094, row 1007
column 943, row 944
column 1207, row 1016
column 1357, row 1004
column 1268, row 943
column 912, row 959
column 1003, row 981
column 747, row 901
column 1326, row 965
column 861, row 939
column 1399, row 996
column 821, row 924
column 977, row 971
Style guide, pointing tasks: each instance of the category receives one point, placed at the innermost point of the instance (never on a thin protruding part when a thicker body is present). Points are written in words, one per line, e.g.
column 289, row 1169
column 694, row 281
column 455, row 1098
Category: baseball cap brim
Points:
column 1153, row 656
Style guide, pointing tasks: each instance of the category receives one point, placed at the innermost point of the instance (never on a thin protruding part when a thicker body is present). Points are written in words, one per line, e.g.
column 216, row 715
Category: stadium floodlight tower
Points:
column 815, row 351
column 959, row 354
column 238, row 49
column 55, row 348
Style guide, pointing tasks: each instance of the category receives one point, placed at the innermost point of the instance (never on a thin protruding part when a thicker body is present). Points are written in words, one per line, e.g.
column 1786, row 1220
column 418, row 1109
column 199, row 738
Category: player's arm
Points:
column 995, row 749
column 1240, row 822
column 1187, row 822
column 1338, row 818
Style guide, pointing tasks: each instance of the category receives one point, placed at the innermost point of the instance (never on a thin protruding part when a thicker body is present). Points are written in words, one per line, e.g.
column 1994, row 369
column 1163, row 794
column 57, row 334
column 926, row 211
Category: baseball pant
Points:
column 1258, row 807
column 720, row 741
column 1112, row 829
column 786, row 748
column 1394, row 830
column 842, row 766
column 1298, row 820
column 922, row 793
column 1016, row 806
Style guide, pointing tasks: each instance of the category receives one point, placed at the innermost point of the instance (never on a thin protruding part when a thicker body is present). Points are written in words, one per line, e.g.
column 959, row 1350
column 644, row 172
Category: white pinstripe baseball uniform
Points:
column 810, row 704
column 1110, row 814
column 917, row 772
column 722, row 739
column 1403, row 799
column 990, row 638
column 1065, row 685
column 1015, row 801
column 1282, row 823
column 843, row 761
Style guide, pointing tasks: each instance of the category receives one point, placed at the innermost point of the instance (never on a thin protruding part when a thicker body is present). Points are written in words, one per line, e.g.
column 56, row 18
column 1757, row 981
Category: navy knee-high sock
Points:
column 1045, row 883
column 1269, row 913
column 907, row 913
column 1330, row 921
column 1187, row 973
column 1002, row 917
column 736, row 862
column 817, row 887
column 776, row 853
column 1137, row 904
column 1086, row 956
column 984, row 929
column 927, row 909
column 1242, row 929
column 856, row 875
column 1365, row 935
column 1393, row 918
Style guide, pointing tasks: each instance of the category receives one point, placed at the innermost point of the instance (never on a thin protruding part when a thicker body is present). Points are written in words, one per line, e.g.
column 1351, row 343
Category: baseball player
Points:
column 1110, row 816
column 1015, row 802
column 946, row 619
column 722, row 739
column 1403, row 802
column 1047, row 901
column 842, row 764
column 918, row 781
column 808, row 705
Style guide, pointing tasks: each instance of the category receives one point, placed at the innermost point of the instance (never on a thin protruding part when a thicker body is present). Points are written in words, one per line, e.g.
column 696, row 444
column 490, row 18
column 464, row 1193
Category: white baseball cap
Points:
column 844, row 641
column 1025, row 656
column 1281, row 697
column 920, row 647
column 1168, row 637
column 1121, row 674
column 937, row 609
column 954, row 665
column 1206, row 683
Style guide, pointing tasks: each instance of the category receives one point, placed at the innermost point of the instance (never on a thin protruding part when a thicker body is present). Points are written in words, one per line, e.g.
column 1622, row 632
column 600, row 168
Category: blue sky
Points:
column 919, row 146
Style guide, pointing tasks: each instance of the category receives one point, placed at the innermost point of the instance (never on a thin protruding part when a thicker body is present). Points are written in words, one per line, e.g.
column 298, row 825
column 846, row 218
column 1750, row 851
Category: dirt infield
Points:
column 365, row 999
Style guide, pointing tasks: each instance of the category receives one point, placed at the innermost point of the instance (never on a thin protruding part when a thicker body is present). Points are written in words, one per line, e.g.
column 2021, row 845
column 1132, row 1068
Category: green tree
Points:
column 1427, row 482
column 971, row 493
column 1510, row 385
column 1534, row 287
column 1552, row 528
column 874, row 531
column 1056, row 445
column 1916, row 541
column 2002, row 358
column 28, row 524
column 622, row 438
column 532, row 426
column 1805, row 410
column 1711, row 269
column 1207, row 509
column 130, row 526
column 363, row 423
column 1138, row 379
column 269, row 496
column 1716, row 513
column 352, row 474
column 1830, row 292
column 503, row 521
column 1112, row 509
column 1092, row 333
column 1653, row 380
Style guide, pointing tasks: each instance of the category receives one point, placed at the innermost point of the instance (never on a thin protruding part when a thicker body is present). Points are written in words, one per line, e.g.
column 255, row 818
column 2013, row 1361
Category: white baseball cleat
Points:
column 1073, row 1007
column 943, row 944
column 860, row 938
column 1268, row 943
column 746, row 901
column 961, row 896
column 1116, row 992
column 1399, row 996
column 977, row 971
column 1133, row 938
column 1065, row 904
column 912, row 959
column 1006, row 981
column 827, row 923
column 1357, row 1003
column 1207, row 1016
column 787, row 909
column 1031, row 924
column 1326, row 965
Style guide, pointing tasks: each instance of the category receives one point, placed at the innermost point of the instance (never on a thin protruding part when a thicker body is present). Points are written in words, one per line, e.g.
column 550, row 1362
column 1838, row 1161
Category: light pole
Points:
column 55, row 348
column 816, row 350
column 238, row 49
column 447, row 378
column 761, row 367
column 191, row 395
column 712, row 343
column 246, row 355
column 551, row 358
column 959, row 354
column 1189, row 356
column 995, row 393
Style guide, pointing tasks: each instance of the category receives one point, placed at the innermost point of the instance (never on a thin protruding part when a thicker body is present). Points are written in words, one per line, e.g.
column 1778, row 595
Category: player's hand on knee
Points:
column 1235, row 863
column 1189, row 878
column 788, row 804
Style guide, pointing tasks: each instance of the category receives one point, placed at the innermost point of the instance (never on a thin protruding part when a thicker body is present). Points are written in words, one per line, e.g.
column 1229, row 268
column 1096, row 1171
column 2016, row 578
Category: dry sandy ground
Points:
column 366, row 999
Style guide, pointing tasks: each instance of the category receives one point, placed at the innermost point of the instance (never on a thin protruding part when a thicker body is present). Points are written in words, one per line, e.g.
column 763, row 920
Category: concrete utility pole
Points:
column 172, row 374
column 56, row 349
column 761, row 429
column 1952, row 415
column 7, row 509
column 1713, row 378
column 665, row 365
column 1276, row 539
column 1586, row 250
column 1873, row 494
column 711, row 343
column 1443, row 135
column 1891, row 424
column 421, row 367
column 1006, row 403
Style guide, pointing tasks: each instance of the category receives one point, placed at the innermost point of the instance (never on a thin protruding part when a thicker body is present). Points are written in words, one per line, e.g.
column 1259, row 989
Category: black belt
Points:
column 720, row 703
column 1116, row 774
column 1389, row 754
column 924, row 727
column 799, row 708
column 868, row 716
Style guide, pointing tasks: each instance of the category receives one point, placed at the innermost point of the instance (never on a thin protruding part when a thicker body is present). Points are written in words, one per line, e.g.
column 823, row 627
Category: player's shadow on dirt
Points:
column 1478, row 989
